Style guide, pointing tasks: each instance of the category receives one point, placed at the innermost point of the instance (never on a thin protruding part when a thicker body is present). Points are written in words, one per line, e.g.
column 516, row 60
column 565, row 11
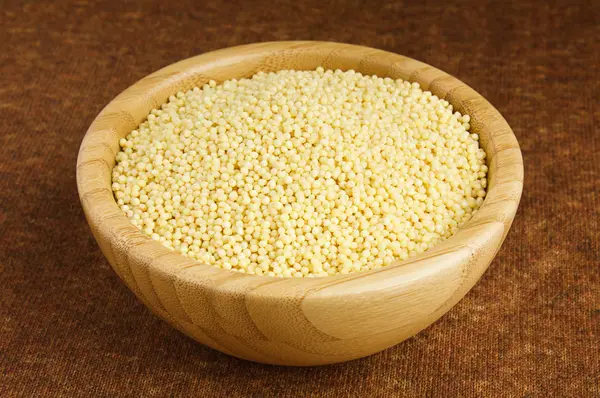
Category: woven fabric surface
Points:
column 70, row 327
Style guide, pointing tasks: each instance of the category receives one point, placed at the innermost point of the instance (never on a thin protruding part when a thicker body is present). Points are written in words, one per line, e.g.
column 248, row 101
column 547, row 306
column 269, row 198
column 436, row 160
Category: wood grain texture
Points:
column 289, row 321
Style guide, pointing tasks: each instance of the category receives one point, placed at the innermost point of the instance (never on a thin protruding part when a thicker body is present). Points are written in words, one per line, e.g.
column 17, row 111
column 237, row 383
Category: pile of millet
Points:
column 301, row 173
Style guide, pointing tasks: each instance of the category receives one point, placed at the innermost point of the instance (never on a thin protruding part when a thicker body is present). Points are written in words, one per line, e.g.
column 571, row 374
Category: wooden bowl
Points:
column 289, row 321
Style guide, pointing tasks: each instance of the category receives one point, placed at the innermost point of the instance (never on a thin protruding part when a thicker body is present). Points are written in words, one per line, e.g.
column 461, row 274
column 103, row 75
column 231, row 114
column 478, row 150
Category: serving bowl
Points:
column 297, row 321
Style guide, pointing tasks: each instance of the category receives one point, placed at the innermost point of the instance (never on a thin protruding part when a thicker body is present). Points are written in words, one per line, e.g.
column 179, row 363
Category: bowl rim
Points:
column 128, row 245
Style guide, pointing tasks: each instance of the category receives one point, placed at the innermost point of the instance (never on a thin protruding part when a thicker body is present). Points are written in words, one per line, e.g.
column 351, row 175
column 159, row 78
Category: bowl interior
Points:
column 130, row 108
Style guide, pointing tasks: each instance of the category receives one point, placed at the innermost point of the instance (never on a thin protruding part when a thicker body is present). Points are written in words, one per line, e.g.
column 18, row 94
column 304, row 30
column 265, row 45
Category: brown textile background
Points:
column 69, row 327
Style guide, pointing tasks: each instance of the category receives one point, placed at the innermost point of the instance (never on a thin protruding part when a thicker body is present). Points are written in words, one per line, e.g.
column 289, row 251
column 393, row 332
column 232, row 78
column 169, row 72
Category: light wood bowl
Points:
column 289, row 321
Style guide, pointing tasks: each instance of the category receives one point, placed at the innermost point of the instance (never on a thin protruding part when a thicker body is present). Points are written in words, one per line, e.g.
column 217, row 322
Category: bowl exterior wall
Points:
column 288, row 321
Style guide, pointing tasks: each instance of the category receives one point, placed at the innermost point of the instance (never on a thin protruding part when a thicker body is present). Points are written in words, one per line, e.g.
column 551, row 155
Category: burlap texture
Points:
column 69, row 327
